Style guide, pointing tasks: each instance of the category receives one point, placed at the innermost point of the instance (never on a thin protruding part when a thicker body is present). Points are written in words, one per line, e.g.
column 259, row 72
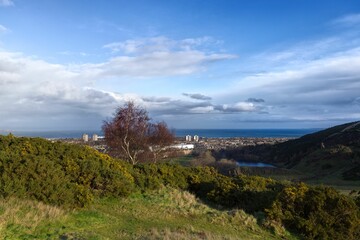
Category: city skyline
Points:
column 67, row 65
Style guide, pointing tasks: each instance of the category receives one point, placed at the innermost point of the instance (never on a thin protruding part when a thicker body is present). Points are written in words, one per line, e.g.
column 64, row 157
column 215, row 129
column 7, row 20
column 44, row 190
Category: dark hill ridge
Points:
column 331, row 152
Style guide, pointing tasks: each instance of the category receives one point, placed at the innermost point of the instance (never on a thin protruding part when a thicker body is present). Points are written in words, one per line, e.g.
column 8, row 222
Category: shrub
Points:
column 316, row 213
column 58, row 173
column 152, row 176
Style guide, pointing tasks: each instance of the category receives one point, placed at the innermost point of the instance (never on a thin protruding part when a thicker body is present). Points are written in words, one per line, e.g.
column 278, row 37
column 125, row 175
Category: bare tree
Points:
column 160, row 137
column 130, row 133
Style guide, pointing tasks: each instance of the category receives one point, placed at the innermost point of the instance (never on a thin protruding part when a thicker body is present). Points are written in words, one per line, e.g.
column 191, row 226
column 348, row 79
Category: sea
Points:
column 207, row 133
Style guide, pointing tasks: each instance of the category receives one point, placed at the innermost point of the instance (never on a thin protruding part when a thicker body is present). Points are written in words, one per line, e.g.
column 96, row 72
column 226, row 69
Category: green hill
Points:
column 333, row 153
column 52, row 190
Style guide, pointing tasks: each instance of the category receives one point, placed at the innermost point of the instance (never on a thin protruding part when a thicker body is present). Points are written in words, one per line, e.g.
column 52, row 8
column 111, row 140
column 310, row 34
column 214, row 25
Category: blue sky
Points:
column 66, row 65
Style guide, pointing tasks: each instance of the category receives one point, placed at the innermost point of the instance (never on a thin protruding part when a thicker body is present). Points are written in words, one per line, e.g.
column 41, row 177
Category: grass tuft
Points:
column 18, row 215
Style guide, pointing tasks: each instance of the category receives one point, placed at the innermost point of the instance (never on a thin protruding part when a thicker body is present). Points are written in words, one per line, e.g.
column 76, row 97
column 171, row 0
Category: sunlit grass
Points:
column 20, row 219
column 161, row 214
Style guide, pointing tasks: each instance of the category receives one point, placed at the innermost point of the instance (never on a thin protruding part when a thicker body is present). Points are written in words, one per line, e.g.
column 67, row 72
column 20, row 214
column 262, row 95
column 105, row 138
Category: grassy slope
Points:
column 324, row 156
column 164, row 214
column 167, row 213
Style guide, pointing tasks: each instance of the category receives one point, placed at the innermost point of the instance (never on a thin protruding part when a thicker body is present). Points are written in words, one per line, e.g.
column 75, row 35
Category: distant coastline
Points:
column 208, row 133
column 235, row 133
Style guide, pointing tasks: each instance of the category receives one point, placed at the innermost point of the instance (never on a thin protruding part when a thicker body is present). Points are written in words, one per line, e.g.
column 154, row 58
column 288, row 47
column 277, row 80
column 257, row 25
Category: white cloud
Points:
column 3, row 29
column 158, row 56
column 314, row 82
column 348, row 20
column 6, row 3
column 322, row 89
column 129, row 46
column 199, row 110
column 36, row 93
column 70, row 53
column 245, row 106
column 302, row 53
column 158, row 64
column 160, row 44
column 32, row 90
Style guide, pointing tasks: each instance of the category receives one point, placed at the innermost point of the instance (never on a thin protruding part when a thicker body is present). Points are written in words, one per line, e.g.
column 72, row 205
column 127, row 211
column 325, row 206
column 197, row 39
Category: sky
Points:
column 234, row 64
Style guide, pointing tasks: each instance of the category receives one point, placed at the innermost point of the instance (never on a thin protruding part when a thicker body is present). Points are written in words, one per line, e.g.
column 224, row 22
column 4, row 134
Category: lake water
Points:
column 249, row 164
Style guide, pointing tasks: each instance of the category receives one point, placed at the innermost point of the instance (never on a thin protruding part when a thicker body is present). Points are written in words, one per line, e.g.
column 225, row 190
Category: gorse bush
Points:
column 73, row 175
column 67, row 174
column 59, row 173
column 313, row 212
column 248, row 193
column 316, row 213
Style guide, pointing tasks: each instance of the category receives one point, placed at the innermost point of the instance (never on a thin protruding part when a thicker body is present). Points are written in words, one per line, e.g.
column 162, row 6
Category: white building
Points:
column 184, row 146
column 85, row 137
column 94, row 137
column 196, row 138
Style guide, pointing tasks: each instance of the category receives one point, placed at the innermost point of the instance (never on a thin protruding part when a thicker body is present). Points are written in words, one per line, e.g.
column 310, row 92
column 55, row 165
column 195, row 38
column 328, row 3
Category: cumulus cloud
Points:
column 313, row 84
column 158, row 56
column 327, row 80
column 317, row 88
column 197, row 96
column 238, row 107
column 171, row 106
column 155, row 64
column 6, row 3
column 31, row 89
column 309, row 83
column 35, row 93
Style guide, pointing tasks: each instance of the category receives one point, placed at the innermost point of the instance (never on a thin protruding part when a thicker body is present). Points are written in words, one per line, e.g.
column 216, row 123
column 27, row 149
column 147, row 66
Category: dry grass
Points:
column 180, row 234
column 166, row 213
column 26, row 213
column 178, row 202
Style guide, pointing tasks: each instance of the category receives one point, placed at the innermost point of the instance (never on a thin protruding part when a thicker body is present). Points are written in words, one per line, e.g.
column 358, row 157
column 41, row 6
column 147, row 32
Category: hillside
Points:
column 333, row 152
column 51, row 190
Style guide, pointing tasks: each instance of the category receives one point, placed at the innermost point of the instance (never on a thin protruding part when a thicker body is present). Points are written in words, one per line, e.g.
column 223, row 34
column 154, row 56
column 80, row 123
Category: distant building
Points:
column 94, row 137
column 188, row 138
column 183, row 146
column 196, row 138
column 85, row 137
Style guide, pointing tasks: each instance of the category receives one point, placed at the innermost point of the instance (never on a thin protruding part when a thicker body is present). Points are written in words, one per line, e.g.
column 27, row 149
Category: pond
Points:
column 252, row 164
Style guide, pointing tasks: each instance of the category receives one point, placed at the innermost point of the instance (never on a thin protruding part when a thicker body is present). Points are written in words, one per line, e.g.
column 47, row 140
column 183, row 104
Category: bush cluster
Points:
column 316, row 212
column 58, row 173
column 248, row 193
column 312, row 212
column 72, row 175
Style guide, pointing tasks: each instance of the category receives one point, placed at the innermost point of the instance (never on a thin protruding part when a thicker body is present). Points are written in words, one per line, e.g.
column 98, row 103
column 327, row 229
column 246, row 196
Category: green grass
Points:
column 333, row 178
column 25, row 219
column 162, row 214
column 182, row 160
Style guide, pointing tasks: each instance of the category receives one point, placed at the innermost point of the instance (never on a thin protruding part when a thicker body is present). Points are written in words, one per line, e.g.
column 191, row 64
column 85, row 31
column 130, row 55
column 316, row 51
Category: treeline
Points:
column 72, row 176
